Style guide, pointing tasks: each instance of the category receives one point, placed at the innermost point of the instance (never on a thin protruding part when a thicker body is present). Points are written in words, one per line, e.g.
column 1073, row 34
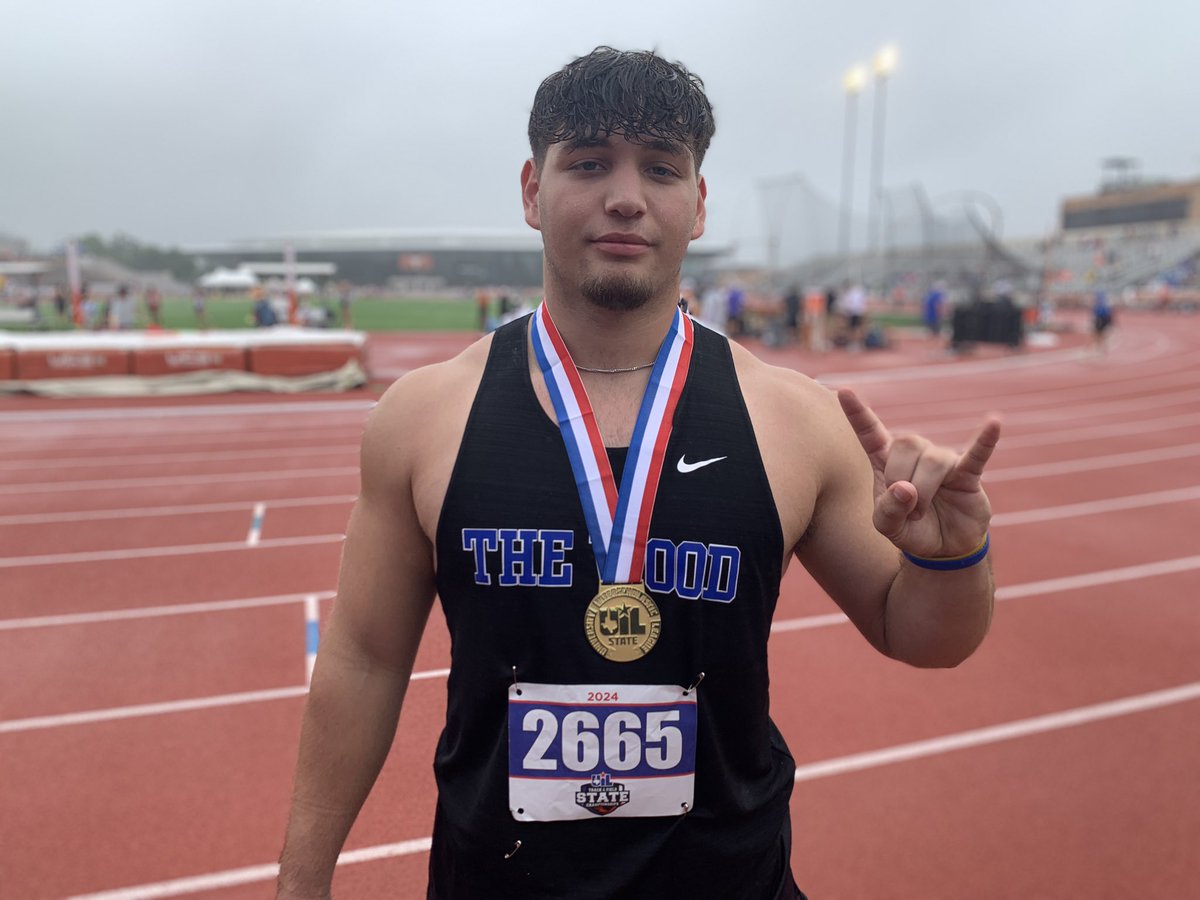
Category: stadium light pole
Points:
column 853, row 83
column 884, row 65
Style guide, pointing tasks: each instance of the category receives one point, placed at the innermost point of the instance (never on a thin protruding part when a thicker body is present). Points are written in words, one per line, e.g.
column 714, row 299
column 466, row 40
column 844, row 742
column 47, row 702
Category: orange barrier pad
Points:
column 8, row 365
column 170, row 361
column 34, row 364
column 301, row 360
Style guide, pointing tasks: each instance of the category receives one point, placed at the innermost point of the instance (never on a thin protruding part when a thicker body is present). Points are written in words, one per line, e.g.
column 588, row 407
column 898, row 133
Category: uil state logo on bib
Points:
column 602, row 795
column 622, row 622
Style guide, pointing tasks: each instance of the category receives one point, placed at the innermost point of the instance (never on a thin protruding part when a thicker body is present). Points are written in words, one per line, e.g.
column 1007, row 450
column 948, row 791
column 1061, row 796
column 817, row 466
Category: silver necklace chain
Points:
column 613, row 371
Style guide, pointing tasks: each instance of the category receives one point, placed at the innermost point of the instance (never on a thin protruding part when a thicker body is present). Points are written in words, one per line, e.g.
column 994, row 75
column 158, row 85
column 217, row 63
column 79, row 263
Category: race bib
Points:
column 576, row 751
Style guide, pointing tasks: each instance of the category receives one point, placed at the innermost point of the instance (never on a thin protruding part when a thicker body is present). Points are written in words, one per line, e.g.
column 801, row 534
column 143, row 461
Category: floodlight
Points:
column 885, row 61
column 855, row 80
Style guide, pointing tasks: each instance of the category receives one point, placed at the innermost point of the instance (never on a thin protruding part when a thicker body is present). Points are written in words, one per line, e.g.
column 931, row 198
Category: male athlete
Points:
column 609, row 592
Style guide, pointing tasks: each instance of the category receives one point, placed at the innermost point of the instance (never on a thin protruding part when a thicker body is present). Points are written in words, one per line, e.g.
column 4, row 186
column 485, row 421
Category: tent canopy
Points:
column 229, row 279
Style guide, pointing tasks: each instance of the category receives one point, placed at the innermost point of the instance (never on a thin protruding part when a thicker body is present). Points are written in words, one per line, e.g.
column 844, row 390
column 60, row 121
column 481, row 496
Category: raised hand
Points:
column 928, row 499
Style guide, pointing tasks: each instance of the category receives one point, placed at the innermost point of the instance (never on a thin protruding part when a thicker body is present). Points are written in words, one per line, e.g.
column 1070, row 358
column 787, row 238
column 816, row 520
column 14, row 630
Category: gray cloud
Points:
column 195, row 122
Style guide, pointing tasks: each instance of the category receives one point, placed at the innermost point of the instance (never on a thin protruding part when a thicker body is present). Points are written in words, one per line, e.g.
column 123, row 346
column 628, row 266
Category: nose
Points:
column 625, row 196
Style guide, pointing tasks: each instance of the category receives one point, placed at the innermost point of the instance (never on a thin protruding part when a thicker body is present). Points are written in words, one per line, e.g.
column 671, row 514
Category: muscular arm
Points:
column 903, row 493
column 849, row 495
column 385, row 590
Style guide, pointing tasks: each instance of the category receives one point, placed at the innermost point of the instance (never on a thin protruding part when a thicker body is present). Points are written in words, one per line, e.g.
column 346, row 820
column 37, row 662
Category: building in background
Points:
column 418, row 260
column 1129, row 204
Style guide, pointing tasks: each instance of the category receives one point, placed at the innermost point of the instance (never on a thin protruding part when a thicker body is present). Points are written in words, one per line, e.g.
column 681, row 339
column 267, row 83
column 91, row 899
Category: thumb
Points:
column 892, row 509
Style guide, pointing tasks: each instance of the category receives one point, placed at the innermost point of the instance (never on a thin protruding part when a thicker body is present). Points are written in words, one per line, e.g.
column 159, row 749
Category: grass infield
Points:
column 367, row 314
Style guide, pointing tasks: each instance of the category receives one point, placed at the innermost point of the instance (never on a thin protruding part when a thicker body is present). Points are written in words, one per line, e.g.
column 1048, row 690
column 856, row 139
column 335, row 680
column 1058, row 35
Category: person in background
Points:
column 200, row 307
column 1102, row 320
column 122, row 311
column 854, row 309
column 264, row 312
column 152, row 298
column 344, row 320
column 791, row 312
column 931, row 310
column 61, row 304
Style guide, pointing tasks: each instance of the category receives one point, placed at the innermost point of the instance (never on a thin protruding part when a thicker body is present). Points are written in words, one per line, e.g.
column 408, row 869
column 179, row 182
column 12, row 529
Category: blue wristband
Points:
column 952, row 563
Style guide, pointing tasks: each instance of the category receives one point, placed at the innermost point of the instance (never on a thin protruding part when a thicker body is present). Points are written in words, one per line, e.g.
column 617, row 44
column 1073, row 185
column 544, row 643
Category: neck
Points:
column 607, row 339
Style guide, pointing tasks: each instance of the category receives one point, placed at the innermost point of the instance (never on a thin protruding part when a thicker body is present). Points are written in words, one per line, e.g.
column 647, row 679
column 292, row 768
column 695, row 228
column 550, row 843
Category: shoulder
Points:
column 807, row 447
column 785, row 398
column 413, row 434
column 418, row 407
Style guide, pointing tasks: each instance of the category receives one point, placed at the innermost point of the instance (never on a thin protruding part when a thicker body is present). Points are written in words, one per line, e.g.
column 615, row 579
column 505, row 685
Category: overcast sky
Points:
column 200, row 121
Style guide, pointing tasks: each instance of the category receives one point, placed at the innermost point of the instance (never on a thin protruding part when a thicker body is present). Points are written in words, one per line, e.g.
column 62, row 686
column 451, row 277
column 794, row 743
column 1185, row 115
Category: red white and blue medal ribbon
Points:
column 618, row 521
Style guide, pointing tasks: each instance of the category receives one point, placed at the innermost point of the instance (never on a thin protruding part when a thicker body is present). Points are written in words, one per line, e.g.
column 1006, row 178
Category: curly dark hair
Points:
column 634, row 92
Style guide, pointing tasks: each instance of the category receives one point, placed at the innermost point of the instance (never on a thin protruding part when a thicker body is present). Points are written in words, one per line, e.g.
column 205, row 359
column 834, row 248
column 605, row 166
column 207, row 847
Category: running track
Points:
column 157, row 560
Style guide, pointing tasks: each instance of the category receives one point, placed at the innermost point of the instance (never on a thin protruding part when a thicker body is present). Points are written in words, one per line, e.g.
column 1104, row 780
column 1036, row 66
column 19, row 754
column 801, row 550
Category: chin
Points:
column 620, row 292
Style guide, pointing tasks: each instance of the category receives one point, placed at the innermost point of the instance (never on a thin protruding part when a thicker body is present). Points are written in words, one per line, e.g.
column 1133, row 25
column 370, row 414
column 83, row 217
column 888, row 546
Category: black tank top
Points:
column 510, row 536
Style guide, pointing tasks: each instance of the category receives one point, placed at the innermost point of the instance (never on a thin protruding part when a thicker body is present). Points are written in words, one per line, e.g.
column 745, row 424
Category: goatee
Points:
column 620, row 293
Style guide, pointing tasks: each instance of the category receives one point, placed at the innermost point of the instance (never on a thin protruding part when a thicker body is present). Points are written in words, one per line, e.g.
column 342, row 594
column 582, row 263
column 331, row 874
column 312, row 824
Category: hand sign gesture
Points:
column 928, row 499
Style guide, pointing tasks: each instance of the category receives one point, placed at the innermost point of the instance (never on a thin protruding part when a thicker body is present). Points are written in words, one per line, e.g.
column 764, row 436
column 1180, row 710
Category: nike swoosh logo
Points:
column 686, row 467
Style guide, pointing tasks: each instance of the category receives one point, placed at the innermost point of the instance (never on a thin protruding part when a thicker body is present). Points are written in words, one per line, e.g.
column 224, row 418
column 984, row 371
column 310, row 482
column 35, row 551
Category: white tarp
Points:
column 281, row 335
column 348, row 377
column 304, row 286
column 228, row 279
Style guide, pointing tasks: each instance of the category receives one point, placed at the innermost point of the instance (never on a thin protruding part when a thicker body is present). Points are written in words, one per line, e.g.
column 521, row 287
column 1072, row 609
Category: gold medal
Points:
column 622, row 622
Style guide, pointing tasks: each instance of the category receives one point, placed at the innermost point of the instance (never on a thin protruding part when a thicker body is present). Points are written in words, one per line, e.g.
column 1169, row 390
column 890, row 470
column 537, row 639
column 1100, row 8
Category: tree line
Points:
column 133, row 254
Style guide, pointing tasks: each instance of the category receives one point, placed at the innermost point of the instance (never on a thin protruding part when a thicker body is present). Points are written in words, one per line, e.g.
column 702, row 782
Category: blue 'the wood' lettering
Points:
column 528, row 557
column 531, row 557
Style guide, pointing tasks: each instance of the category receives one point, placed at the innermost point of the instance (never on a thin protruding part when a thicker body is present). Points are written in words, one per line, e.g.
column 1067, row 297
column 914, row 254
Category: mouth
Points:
column 620, row 244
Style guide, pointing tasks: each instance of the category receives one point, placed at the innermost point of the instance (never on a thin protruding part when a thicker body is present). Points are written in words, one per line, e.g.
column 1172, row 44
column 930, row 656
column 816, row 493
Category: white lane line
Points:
column 953, row 369
column 1096, row 507
column 150, row 709
column 94, row 462
column 1049, row 586
column 805, row 623
column 1116, row 429
column 281, row 432
column 58, row 559
column 153, row 612
column 1092, row 463
column 1097, row 579
column 1068, row 718
column 254, row 535
column 1030, row 588
column 1042, row 395
column 168, row 707
column 150, row 512
column 112, row 484
column 180, row 435
column 1107, row 411
column 1007, row 731
column 125, row 413
column 251, row 874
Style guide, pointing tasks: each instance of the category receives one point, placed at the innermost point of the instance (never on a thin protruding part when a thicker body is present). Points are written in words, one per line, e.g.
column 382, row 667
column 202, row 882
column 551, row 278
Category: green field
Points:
column 368, row 314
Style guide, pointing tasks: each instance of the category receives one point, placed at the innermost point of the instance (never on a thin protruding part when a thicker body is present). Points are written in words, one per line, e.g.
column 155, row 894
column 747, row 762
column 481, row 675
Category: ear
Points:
column 701, row 212
column 530, row 183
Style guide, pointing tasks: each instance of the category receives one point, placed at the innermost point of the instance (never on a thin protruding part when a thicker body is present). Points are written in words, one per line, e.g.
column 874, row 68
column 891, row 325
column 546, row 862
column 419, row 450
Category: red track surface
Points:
column 125, row 525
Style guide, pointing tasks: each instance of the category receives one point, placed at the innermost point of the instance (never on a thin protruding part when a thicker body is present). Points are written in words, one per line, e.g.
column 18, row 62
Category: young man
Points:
column 610, row 591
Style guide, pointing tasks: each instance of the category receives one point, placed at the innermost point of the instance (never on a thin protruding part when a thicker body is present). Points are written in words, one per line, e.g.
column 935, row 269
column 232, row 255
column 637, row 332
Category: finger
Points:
column 893, row 508
column 902, row 458
column 971, row 463
column 872, row 434
column 933, row 467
